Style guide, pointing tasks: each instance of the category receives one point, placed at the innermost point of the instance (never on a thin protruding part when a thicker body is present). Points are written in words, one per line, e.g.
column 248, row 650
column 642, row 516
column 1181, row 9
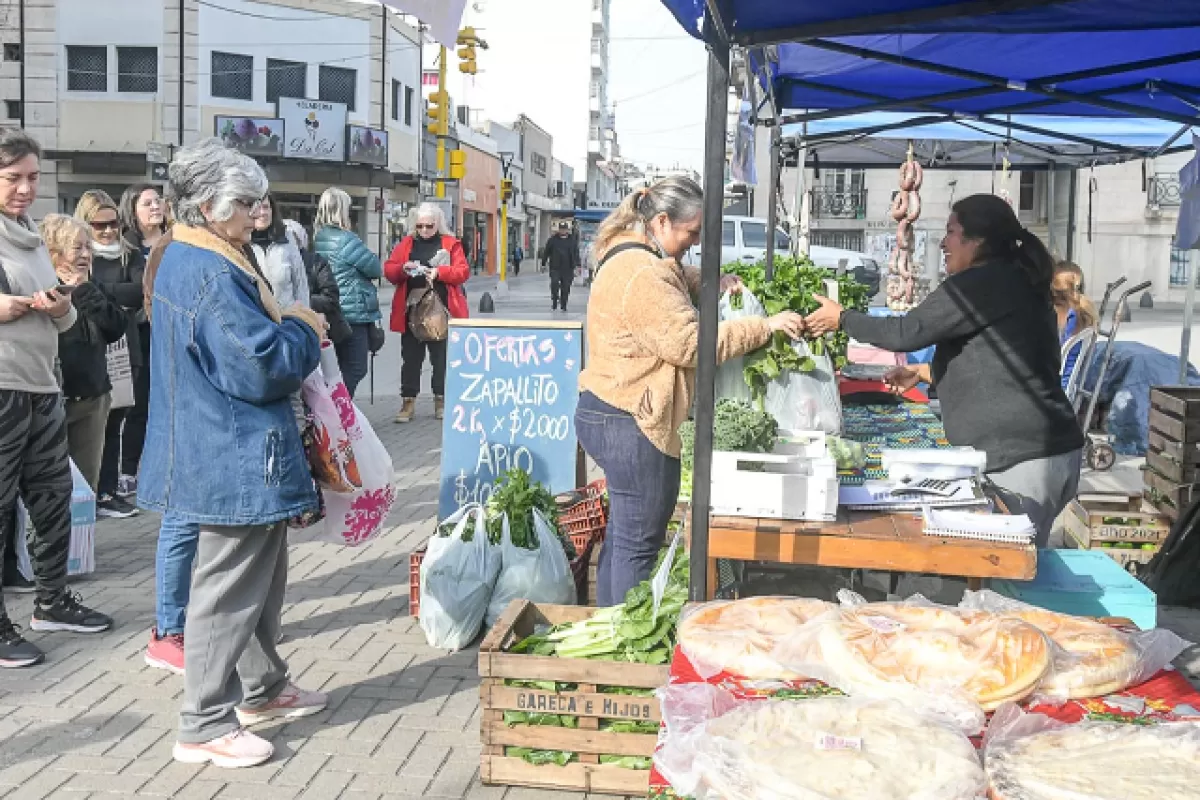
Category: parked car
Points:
column 744, row 239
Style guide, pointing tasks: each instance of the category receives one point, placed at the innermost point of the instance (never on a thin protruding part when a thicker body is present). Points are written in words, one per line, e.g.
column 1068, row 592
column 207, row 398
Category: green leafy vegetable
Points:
column 628, row 762
column 628, row 726
column 738, row 427
column 512, row 718
column 517, row 495
column 771, row 362
column 847, row 454
column 541, row 757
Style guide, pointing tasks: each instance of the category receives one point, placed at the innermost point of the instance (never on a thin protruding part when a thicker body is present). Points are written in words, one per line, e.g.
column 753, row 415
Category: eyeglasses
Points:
column 255, row 207
column 110, row 225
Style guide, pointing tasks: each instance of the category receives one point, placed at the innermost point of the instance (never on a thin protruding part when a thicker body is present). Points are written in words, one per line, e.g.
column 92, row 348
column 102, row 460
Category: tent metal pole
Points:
column 1050, row 239
column 773, row 200
column 716, row 124
column 799, row 204
column 1189, row 307
column 1174, row 138
column 1071, row 214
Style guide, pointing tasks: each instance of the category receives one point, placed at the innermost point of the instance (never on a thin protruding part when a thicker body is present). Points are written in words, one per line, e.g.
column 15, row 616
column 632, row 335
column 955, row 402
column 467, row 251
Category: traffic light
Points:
column 466, row 53
column 458, row 165
column 438, row 109
column 506, row 190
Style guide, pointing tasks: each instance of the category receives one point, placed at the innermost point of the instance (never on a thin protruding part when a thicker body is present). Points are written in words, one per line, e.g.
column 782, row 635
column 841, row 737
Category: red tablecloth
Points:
column 1166, row 697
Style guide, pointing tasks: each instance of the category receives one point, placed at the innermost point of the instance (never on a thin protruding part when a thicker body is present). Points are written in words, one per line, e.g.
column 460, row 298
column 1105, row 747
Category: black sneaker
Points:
column 16, row 583
column 14, row 650
column 68, row 614
column 114, row 507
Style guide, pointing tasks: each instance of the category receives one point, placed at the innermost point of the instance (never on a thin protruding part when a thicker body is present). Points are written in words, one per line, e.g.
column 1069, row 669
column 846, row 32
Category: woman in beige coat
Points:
column 643, row 331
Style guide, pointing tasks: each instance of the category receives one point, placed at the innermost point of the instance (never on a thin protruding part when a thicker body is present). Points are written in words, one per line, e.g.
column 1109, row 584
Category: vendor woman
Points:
column 996, row 366
column 641, row 363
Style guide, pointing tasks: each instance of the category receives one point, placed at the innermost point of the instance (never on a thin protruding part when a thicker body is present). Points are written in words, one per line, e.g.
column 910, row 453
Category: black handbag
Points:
column 376, row 337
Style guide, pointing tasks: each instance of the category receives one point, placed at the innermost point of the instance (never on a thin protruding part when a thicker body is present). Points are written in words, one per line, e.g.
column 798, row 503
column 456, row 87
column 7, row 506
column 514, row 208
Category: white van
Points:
column 744, row 239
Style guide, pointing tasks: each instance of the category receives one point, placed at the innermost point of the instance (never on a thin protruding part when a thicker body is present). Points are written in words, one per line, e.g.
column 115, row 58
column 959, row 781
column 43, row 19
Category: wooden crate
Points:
column 1175, row 413
column 1092, row 526
column 587, row 702
column 1183, row 453
column 1171, row 498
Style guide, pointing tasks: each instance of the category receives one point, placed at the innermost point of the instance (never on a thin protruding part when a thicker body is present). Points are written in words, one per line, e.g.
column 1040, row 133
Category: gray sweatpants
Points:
column 232, row 626
column 1040, row 488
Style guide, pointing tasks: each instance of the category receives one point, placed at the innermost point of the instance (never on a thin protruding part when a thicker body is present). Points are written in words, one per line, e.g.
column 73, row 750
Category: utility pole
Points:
column 442, row 123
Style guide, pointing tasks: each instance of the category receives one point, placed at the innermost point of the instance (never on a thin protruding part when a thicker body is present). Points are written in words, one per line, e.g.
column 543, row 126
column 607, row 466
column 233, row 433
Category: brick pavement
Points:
column 403, row 721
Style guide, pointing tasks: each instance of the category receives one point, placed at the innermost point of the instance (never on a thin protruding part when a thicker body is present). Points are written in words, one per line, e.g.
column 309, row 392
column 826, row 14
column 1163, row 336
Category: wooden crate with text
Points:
column 582, row 689
column 1173, row 455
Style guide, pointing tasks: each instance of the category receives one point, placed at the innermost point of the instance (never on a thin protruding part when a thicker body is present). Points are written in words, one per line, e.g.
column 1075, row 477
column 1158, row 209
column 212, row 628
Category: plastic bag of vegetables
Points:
column 457, row 576
column 731, row 381
column 541, row 574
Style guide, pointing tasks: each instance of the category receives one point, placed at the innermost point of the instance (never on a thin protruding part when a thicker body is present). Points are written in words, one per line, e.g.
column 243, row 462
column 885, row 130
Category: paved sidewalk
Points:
column 95, row 721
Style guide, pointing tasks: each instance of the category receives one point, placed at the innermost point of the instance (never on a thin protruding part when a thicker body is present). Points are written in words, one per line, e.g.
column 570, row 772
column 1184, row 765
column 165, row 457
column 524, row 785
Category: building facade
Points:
column 98, row 90
column 479, row 199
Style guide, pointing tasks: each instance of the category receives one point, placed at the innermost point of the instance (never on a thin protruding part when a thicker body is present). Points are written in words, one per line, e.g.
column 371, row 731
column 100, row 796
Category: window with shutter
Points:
column 137, row 69
column 338, row 85
column 232, row 76
column 87, row 69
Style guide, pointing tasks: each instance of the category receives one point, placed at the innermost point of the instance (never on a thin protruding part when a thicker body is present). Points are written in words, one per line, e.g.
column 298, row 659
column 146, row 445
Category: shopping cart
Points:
column 1098, row 451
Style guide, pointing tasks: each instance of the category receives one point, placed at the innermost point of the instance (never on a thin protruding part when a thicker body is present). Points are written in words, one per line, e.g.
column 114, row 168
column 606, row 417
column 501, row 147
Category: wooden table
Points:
column 885, row 541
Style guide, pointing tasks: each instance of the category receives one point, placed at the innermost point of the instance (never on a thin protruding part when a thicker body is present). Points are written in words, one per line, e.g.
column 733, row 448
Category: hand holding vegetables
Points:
column 789, row 323
column 826, row 319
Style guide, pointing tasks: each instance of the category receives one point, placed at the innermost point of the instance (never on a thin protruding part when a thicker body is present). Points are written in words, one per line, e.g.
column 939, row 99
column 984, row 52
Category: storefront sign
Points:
column 469, row 195
column 368, row 146
column 313, row 129
column 251, row 135
column 511, row 389
column 602, row 205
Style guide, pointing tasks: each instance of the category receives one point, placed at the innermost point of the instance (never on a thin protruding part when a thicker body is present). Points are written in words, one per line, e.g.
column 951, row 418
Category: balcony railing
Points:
column 1164, row 190
column 839, row 204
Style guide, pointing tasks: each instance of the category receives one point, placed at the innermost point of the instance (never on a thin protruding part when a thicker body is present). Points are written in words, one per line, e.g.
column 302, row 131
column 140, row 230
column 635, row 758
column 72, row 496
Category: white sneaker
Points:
column 233, row 751
column 292, row 702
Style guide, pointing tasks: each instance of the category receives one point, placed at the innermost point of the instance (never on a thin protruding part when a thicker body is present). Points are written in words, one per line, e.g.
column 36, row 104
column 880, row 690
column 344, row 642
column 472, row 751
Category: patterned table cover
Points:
column 906, row 426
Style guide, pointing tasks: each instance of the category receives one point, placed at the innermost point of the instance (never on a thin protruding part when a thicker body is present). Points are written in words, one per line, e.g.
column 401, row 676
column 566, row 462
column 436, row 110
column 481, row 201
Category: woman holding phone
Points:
column 429, row 258
column 33, row 424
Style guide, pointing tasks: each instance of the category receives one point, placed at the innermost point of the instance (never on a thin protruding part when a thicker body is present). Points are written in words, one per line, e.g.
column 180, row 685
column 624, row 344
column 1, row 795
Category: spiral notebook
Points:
column 887, row 496
column 1012, row 529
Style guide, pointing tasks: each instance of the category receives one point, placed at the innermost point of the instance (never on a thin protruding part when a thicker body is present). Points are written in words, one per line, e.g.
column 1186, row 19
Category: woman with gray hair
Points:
column 430, row 259
column 355, row 267
column 226, row 451
column 643, row 331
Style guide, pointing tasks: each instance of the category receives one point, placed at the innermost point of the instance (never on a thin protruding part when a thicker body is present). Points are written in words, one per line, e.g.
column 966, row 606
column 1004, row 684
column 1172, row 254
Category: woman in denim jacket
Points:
column 223, row 451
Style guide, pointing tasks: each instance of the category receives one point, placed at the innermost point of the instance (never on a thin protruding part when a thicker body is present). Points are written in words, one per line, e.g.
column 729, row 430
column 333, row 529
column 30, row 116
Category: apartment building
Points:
column 322, row 93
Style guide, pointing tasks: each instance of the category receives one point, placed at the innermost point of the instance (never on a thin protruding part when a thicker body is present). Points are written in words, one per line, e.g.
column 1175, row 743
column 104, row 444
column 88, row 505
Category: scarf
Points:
column 113, row 251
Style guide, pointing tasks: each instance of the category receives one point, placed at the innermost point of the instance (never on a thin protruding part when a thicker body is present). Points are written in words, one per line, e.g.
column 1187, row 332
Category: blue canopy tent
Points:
column 989, row 62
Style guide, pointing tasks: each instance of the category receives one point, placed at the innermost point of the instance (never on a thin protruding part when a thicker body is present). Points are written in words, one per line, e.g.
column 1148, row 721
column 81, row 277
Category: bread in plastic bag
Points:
column 1033, row 757
column 739, row 636
column 457, row 578
column 817, row 749
column 934, row 659
column 542, row 575
column 1091, row 659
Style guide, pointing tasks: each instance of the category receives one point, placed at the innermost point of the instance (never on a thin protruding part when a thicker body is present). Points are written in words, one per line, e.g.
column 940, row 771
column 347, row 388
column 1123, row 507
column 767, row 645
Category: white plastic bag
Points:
column 120, row 373
column 81, row 550
column 731, row 382
column 717, row 746
column 356, row 516
column 542, row 575
column 1091, row 659
column 457, row 578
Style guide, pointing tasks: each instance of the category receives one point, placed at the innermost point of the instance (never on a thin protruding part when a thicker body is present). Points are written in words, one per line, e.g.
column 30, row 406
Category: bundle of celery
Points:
column 628, row 632
column 517, row 495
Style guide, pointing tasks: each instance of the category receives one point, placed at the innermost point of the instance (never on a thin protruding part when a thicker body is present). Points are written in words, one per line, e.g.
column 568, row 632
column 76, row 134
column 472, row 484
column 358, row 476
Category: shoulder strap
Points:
column 621, row 248
column 5, row 286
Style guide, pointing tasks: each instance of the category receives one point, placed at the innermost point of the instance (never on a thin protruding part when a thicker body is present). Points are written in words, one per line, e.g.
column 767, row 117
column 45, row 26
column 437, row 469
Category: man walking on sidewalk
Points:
column 562, row 256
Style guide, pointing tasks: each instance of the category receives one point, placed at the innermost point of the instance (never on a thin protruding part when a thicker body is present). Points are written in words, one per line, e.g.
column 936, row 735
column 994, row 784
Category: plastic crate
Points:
column 586, row 520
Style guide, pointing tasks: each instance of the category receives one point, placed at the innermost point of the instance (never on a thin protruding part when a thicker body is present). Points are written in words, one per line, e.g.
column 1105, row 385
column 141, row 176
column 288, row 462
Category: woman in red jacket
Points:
column 431, row 256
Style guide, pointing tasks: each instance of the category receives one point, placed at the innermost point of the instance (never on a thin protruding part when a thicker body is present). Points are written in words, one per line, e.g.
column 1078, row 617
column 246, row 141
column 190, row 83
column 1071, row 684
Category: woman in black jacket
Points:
column 82, row 348
column 996, row 367
column 324, row 295
column 117, row 266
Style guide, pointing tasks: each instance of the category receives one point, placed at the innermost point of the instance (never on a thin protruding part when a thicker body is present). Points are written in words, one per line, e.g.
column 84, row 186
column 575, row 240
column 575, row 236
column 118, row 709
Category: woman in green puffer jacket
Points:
column 354, row 267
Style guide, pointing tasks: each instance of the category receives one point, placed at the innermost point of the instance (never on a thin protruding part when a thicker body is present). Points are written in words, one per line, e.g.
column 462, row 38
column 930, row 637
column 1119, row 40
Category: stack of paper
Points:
column 1015, row 529
column 888, row 496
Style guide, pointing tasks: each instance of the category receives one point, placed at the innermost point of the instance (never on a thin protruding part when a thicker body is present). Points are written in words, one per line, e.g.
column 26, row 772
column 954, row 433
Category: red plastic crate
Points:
column 586, row 521
column 414, row 580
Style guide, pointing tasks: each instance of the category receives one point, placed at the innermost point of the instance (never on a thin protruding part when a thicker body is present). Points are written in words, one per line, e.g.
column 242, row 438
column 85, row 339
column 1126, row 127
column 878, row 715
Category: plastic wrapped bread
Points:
column 957, row 664
column 739, row 636
column 1032, row 757
column 1091, row 659
column 818, row 749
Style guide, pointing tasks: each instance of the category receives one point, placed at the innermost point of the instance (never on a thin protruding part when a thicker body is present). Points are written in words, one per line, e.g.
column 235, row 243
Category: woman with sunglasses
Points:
column 430, row 258
column 117, row 267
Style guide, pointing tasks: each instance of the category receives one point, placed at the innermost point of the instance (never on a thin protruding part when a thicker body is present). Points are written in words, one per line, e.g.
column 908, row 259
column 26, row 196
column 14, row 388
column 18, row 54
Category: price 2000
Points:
column 524, row 422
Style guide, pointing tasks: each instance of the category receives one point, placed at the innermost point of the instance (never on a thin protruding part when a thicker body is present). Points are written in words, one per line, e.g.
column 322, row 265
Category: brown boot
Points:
column 407, row 410
column 439, row 407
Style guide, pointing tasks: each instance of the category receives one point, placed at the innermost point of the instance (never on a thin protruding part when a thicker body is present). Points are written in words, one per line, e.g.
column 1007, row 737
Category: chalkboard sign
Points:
column 511, row 390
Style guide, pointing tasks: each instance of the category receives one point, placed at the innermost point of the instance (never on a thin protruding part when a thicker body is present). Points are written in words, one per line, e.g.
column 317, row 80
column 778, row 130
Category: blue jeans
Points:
column 173, row 572
column 643, row 489
column 354, row 356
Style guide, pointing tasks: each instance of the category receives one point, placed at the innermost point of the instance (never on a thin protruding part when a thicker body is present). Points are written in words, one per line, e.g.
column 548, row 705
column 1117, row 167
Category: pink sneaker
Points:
column 292, row 702
column 166, row 652
column 232, row 751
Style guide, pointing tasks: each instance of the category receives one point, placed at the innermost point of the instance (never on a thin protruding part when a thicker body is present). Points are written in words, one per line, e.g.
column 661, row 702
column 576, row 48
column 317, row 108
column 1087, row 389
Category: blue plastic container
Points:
column 1087, row 584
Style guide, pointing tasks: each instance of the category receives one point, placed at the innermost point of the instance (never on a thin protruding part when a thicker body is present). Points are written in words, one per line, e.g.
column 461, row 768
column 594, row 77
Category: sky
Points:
column 538, row 63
